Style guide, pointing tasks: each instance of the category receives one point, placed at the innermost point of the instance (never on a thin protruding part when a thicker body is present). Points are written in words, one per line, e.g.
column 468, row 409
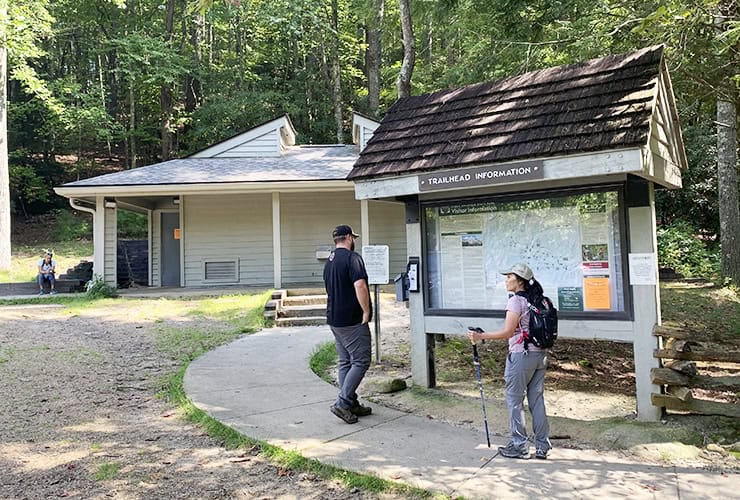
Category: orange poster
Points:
column 596, row 293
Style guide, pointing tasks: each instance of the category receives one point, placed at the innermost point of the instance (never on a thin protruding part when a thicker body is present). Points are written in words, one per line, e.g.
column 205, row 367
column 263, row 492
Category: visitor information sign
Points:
column 376, row 264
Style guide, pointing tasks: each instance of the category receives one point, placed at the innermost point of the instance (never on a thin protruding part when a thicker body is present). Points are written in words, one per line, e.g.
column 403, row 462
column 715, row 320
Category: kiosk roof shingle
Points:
column 600, row 104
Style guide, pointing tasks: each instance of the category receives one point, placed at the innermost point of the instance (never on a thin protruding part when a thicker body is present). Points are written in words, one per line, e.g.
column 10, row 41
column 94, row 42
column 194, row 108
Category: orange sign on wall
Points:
column 596, row 293
column 177, row 233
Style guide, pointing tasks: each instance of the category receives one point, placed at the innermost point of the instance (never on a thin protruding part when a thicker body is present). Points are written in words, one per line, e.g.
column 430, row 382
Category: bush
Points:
column 67, row 227
column 96, row 288
column 132, row 226
column 681, row 250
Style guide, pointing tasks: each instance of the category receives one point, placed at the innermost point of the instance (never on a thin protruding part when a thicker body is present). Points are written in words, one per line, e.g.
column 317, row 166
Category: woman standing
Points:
column 525, row 365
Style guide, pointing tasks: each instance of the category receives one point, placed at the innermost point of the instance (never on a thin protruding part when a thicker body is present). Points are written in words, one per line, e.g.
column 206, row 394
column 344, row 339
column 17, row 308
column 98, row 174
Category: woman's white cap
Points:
column 521, row 270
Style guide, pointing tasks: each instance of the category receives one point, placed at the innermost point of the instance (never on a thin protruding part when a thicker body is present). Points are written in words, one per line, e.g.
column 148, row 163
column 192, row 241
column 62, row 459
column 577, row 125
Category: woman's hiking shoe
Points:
column 360, row 410
column 343, row 413
column 541, row 453
column 511, row 451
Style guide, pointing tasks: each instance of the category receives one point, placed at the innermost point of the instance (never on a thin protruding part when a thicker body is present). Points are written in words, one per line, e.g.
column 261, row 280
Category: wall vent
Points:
column 221, row 270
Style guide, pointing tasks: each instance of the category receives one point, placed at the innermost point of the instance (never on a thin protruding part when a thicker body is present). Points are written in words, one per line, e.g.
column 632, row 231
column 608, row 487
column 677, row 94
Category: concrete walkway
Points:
column 261, row 385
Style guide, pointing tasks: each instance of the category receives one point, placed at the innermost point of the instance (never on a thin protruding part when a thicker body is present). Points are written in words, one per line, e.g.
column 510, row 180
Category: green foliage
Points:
column 324, row 357
column 696, row 203
column 68, row 227
column 132, row 226
column 680, row 249
column 107, row 471
column 26, row 186
column 96, row 288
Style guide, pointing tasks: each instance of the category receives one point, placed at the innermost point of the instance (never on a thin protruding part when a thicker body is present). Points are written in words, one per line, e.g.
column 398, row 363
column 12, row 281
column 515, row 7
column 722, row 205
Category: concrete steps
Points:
column 31, row 288
column 297, row 307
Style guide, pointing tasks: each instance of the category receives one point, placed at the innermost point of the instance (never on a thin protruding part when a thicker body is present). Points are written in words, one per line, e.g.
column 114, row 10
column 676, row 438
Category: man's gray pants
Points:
column 525, row 375
column 353, row 347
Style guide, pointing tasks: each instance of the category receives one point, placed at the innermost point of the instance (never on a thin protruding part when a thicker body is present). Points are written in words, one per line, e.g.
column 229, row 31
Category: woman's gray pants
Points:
column 525, row 375
column 353, row 347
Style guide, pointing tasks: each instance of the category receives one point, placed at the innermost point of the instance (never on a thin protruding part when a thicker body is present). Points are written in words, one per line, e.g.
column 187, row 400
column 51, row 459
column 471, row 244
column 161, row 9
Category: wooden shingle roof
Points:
column 600, row 104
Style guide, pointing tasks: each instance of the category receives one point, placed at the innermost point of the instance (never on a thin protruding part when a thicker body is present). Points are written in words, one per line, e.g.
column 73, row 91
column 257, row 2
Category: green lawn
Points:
column 24, row 261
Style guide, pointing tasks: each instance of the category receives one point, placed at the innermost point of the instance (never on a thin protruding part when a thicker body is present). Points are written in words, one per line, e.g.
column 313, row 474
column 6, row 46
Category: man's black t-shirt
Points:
column 343, row 268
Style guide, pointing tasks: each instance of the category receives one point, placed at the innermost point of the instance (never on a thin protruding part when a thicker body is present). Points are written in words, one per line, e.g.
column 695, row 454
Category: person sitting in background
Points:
column 47, row 267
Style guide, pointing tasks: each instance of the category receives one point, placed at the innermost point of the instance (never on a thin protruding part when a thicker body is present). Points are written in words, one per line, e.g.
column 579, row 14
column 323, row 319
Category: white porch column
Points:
column 646, row 299
column 99, row 237
column 420, row 341
column 277, row 269
column 364, row 222
column 183, row 235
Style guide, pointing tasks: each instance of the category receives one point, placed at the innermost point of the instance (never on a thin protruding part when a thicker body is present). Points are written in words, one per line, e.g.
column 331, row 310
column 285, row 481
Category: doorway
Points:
column 170, row 263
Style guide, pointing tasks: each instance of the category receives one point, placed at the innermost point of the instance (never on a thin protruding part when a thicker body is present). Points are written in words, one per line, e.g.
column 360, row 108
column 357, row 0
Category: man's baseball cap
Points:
column 521, row 270
column 343, row 230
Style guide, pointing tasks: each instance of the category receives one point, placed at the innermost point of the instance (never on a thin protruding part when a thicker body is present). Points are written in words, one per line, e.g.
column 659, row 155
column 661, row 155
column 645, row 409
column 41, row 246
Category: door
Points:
column 170, row 259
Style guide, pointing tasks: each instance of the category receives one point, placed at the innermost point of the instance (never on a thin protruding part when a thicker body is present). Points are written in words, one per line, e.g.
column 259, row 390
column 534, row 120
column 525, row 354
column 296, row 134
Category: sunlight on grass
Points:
column 323, row 357
column 24, row 261
column 106, row 471
column 243, row 311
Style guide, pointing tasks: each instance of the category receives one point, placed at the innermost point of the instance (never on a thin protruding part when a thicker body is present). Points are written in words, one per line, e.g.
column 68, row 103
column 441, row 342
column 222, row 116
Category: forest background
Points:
column 95, row 86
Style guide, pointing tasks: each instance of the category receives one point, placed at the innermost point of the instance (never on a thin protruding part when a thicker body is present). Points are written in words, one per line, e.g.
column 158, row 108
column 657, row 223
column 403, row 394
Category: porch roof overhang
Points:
column 154, row 190
column 299, row 169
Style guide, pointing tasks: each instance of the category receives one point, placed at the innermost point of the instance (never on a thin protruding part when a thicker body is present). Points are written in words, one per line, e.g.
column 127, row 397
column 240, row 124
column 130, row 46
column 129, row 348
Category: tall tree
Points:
column 165, row 94
column 409, row 49
column 372, row 56
column 4, row 177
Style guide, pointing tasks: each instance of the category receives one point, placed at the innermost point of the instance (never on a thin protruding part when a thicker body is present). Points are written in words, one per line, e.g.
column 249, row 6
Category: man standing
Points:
column 348, row 313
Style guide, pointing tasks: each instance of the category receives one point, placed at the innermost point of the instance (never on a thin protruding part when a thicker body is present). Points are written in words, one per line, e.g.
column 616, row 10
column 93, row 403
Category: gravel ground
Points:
column 79, row 417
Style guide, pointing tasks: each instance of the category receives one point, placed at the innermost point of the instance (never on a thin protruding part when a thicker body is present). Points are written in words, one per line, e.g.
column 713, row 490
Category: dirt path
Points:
column 79, row 418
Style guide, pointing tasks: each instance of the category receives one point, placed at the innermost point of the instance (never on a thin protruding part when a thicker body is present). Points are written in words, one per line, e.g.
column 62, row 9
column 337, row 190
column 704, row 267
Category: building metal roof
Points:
column 596, row 105
column 298, row 163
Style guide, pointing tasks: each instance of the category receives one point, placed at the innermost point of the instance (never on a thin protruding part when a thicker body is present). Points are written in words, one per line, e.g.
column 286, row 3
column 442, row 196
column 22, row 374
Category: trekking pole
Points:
column 476, row 363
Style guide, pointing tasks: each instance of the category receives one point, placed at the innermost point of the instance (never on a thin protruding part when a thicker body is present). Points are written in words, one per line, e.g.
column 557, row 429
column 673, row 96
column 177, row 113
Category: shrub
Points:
column 96, row 288
column 132, row 225
column 67, row 227
column 681, row 250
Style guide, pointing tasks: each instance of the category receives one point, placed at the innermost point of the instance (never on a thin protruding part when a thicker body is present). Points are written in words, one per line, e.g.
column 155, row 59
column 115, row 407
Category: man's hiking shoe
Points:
column 541, row 453
column 360, row 410
column 343, row 413
column 41, row 292
column 53, row 292
column 511, row 451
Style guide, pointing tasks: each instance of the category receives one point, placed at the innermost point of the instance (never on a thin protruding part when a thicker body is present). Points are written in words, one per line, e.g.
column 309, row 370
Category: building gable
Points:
column 363, row 129
column 268, row 139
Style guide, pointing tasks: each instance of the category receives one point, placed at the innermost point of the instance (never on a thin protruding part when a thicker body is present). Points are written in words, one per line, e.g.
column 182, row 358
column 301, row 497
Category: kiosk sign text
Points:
column 482, row 176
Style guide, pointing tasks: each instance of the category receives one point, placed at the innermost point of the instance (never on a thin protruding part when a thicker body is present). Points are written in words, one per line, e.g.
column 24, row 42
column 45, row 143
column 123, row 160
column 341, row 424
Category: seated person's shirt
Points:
column 47, row 267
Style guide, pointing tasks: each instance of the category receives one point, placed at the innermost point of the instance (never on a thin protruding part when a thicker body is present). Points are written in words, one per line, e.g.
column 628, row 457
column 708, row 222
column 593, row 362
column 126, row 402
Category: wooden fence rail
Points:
column 679, row 373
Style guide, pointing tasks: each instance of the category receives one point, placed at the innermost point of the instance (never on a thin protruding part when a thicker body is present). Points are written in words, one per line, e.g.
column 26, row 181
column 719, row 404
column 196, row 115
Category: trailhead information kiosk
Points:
column 556, row 168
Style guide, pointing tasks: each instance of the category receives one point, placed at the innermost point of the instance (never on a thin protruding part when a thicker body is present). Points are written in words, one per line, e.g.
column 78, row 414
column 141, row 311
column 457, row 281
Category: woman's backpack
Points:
column 543, row 324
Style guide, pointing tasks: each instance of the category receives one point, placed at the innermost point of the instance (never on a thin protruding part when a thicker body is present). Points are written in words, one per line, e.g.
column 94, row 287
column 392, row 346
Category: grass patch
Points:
column 24, row 260
column 106, row 471
column 244, row 311
column 6, row 354
column 710, row 311
column 324, row 357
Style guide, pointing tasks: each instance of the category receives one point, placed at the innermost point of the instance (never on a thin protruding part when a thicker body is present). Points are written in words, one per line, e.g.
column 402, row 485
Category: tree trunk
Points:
column 336, row 72
column 193, row 96
column 374, row 34
column 132, row 125
column 729, row 213
column 165, row 92
column 4, row 177
column 409, row 50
